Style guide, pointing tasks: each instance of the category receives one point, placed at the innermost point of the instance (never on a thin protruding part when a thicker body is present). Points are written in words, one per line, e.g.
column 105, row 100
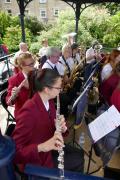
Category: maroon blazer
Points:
column 115, row 98
column 24, row 92
column 108, row 86
column 34, row 126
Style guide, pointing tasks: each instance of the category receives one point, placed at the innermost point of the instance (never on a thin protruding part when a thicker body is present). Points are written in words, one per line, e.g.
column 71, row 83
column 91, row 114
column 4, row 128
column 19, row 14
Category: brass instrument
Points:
column 74, row 75
column 13, row 96
column 61, row 151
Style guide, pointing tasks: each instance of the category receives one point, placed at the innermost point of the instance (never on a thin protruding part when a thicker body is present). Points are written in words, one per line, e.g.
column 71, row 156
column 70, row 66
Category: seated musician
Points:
column 91, row 56
column 22, row 48
column 66, row 59
column 107, row 86
column 43, row 51
column 35, row 135
column 18, row 88
column 109, row 64
column 75, row 53
column 53, row 54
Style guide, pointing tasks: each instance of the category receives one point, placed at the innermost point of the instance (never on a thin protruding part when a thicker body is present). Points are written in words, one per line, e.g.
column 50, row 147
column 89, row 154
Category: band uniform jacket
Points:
column 23, row 95
column 35, row 125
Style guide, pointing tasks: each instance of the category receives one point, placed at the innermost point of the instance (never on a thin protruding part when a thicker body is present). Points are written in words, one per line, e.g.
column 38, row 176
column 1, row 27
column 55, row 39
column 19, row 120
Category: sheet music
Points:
column 104, row 124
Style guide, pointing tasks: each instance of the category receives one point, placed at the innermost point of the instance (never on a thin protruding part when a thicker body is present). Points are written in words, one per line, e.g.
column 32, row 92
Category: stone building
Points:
column 45, row 10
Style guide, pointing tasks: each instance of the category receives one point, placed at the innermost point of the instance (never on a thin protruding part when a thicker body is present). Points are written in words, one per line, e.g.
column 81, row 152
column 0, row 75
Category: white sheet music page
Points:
column 104, row 124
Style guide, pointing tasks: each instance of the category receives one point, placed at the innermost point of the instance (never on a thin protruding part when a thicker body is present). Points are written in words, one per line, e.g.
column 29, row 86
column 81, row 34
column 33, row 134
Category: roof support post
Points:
column 21, row 16
column 77, row 16
column 22, row 5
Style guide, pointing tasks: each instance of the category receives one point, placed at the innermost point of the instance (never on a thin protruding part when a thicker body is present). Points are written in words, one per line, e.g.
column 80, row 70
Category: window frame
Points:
column 7, row 2
column 43, row 9
column 9, row 12
column 54, row 12
column 43, row 1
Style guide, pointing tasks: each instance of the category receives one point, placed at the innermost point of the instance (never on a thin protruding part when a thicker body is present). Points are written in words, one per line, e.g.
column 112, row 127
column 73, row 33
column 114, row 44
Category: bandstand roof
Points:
column 91, row 1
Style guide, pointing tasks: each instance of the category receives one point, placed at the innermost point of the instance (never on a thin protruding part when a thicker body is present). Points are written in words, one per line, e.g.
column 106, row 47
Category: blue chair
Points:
column 7, row 150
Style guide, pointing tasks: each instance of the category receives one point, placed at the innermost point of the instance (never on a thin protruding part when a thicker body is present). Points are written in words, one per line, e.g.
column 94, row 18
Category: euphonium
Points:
column 58, row 129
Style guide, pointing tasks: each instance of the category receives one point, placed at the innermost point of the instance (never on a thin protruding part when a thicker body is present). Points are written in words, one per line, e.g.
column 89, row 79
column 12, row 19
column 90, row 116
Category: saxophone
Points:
column 61, row 151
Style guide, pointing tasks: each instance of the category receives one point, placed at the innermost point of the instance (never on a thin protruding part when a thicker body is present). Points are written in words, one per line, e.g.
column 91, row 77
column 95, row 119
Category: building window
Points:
column 43, row 1
column 56, row 12
column 7, row 1
column 9, row 12
column 42, row 13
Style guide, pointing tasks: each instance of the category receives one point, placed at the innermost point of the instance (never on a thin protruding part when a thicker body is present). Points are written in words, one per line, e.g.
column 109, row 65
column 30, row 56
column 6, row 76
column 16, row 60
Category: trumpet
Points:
column 13, row 96
column 61, row 151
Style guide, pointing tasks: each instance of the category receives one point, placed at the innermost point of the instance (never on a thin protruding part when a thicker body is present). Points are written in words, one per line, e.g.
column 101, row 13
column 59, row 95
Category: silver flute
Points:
column 61, row 151
column 13, row 96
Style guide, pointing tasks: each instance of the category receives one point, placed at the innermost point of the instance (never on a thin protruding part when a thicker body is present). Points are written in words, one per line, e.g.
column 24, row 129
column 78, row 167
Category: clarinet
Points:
column 61, row 151
column 12, row 98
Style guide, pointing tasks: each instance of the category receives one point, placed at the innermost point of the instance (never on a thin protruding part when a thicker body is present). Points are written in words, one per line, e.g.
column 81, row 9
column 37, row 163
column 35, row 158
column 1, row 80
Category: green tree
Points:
column 92, row 25
column 112, row 36
column 113, row 8
column 12, row 38
column 34, row 25
column 4, row 22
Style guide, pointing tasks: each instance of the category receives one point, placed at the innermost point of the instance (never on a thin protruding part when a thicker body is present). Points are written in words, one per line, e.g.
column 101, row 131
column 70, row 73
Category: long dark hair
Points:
column 41, row 78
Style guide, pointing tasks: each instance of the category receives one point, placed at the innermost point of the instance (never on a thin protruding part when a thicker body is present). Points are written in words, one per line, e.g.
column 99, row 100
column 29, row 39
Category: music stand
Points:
column 105, row 147
column 79, row 108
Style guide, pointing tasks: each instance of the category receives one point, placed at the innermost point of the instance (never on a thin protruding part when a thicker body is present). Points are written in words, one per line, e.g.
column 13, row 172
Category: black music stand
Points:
column 105, row 147
column 79, row 108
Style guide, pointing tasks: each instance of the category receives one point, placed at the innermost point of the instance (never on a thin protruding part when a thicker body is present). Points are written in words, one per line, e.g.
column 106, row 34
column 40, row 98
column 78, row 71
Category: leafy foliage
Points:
column 12, row 37
column 113, row 8
column 112, row 36
column 4, row 22
column 95, row 23
column 34, row 48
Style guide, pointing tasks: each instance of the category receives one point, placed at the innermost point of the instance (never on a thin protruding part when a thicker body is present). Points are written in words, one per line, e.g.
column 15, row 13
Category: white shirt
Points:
column 106, row 71
column 46, row 104
column 43, row 51
column 78, row 57
column 49, row 65
column 70, row 62
column 90, row 52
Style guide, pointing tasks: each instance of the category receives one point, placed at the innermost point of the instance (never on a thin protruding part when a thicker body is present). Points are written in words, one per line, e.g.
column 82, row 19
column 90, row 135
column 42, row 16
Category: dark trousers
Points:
column 73, row 159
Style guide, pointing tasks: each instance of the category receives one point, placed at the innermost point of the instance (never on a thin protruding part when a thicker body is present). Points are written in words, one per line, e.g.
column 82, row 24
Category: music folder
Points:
column 104, row 124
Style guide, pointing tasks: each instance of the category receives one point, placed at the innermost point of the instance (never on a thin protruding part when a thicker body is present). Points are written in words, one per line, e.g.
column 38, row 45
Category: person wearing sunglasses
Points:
column 18, row 87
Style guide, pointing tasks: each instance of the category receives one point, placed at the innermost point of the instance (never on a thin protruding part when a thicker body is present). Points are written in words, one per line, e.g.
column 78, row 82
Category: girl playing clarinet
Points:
column 18, row 88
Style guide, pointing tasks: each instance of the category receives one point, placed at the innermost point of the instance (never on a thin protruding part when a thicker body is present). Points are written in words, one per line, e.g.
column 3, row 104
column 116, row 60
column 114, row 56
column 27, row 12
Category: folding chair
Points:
column 10, row 119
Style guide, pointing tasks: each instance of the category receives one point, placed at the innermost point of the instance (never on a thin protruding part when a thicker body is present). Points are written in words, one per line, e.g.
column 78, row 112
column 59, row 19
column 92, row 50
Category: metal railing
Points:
column 6, row 70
